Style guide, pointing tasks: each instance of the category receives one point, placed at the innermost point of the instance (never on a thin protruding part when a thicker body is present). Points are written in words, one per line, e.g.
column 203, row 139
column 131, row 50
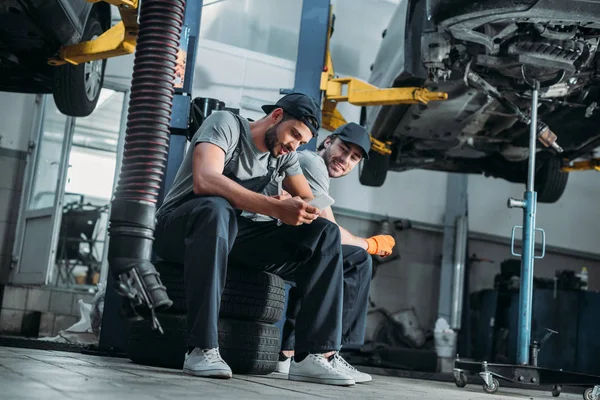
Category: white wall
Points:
column 416, row 195
column 570, row 223
column 241, row 78
column 18, row 116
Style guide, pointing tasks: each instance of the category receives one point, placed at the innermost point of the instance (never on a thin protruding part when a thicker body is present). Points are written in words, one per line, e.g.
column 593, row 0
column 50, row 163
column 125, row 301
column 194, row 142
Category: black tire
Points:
column 77, row 87
column 587, row 395
column 462, row 381
column 248, row 347
column 374, row 170
column 550, row 181
column 257, row 296
column 556, row 390
column 248, row 295
column 491, row 389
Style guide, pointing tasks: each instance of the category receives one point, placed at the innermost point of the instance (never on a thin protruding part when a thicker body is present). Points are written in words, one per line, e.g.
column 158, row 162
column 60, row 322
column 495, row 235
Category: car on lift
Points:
column 487, row 55
column 33, row 31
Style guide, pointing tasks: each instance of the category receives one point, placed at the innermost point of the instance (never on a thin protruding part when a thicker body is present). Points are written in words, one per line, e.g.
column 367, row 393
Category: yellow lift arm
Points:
column 587, row 165
column 360, row 93
column 117, row 41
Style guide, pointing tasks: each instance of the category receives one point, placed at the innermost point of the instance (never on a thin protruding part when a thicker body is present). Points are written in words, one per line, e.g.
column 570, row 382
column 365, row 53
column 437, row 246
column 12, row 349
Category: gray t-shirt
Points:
column 314, row 170
column 226, row 130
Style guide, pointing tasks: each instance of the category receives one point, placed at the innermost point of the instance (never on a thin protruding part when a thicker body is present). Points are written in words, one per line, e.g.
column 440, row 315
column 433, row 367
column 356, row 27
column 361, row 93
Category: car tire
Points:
column 248, row 347
column 77, row 87
column 550, row 181
column 374, row 170
column 248, row 295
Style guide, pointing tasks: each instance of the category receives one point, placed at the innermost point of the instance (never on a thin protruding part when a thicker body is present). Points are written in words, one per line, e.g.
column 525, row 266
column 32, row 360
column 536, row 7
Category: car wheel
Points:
column 550, row 182
column 77, row 87
column 374, row 170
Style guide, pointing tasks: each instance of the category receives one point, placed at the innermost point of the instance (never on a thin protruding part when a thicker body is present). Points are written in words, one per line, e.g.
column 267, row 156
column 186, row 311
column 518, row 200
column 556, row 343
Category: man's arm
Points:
column 347, row 237
column 297, row 185
column 207, row 171
column 381, row 245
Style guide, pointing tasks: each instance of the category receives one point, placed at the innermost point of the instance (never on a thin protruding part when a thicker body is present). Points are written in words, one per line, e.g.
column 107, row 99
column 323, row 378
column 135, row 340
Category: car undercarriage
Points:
column 485, row 55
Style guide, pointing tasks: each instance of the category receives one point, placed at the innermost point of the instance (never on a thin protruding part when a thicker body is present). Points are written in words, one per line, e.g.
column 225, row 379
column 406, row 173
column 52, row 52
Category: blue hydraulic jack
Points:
column 527, row 372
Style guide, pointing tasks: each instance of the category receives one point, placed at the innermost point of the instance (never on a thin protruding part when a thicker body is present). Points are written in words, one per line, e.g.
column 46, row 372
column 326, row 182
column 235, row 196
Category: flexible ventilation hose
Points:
column 146, row 148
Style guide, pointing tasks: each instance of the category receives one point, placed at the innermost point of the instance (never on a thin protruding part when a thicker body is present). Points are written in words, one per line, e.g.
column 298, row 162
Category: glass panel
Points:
column 88, row 191
column 46, row 177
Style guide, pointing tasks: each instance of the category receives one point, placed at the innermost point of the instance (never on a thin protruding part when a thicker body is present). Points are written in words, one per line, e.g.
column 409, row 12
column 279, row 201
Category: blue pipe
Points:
column 527, row 259
column 526, row 292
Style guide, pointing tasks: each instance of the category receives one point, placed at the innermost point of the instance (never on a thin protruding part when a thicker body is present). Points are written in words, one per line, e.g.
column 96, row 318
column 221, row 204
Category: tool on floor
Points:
column 526, row 371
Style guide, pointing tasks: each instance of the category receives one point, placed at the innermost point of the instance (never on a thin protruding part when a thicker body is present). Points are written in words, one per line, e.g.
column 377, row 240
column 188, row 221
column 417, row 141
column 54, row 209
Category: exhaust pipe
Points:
column 132, row 219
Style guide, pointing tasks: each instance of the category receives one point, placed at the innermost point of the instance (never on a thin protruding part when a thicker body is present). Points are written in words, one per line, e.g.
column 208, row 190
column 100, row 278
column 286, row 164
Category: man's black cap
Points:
column 301, row 107
column 354, row 133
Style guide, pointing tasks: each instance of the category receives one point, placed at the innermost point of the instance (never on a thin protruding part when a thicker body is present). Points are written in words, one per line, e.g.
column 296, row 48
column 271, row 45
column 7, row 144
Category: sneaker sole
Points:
column 363, row 380
column 326, row 381
column 209, row 373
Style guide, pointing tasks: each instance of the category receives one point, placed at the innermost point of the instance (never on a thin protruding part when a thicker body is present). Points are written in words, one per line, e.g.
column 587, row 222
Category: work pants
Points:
column 358, row 269
column 206, row 234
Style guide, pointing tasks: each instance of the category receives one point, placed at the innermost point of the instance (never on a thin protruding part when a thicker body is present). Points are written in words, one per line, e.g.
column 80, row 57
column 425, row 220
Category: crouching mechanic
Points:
column 206, row 223
column 335, row 157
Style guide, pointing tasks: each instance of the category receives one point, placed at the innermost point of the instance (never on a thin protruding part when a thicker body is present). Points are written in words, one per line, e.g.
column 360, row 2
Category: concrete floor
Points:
column 42, row 374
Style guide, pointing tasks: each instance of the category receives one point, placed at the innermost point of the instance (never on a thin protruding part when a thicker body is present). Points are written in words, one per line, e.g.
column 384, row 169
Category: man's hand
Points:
column 380, row 245
column 283, row 196
column 295, row 211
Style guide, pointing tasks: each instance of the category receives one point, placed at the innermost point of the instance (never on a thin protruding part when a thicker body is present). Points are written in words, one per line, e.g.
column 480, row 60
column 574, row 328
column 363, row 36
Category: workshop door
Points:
column 37, row 231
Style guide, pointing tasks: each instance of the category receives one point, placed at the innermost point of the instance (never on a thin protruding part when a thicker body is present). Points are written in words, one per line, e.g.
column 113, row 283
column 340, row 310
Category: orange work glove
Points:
column 381, row 245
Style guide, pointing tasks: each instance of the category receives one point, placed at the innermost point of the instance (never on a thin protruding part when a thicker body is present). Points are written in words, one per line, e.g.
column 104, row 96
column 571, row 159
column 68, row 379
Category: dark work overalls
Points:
column 207, row 234
column 358, row 271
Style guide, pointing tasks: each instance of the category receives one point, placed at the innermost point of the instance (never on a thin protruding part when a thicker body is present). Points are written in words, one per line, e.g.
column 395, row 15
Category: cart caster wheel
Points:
column 493, row 388
column 462, row 381
column 556, row 389
column 587, row 395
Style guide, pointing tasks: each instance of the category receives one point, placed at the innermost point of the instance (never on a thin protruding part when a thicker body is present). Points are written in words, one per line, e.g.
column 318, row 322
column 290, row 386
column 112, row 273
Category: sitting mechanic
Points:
column 336, row 157
column 206, row 223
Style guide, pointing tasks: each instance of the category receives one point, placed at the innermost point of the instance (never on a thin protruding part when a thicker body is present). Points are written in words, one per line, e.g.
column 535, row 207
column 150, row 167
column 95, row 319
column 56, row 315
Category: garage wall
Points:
column 413, row 281
column 570, row 223
column 18, row 115
column 239, row 77
column 420, row 195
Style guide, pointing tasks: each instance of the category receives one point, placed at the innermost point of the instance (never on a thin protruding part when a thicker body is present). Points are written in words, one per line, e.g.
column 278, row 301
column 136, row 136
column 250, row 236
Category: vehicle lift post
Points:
column 526, row 371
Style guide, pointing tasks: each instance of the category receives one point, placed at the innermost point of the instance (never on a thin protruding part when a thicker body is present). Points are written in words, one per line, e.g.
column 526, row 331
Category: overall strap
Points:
column 227, row 170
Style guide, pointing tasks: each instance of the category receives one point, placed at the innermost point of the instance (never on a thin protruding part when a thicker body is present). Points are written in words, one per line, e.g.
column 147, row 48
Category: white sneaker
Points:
column 317, row 369
column 283, row 367
column 343, row 366
column 207, row 363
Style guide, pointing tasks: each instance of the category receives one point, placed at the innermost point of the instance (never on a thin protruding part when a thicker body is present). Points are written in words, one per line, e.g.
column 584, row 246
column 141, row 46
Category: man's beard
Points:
column 271, row 139
column 328, row 158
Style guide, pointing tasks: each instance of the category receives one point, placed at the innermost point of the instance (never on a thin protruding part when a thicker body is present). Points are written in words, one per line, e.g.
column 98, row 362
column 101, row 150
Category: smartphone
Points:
column 322, row 201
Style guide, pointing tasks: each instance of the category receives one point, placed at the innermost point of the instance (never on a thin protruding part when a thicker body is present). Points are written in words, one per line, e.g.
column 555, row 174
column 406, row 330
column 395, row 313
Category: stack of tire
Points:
column 248, row 339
